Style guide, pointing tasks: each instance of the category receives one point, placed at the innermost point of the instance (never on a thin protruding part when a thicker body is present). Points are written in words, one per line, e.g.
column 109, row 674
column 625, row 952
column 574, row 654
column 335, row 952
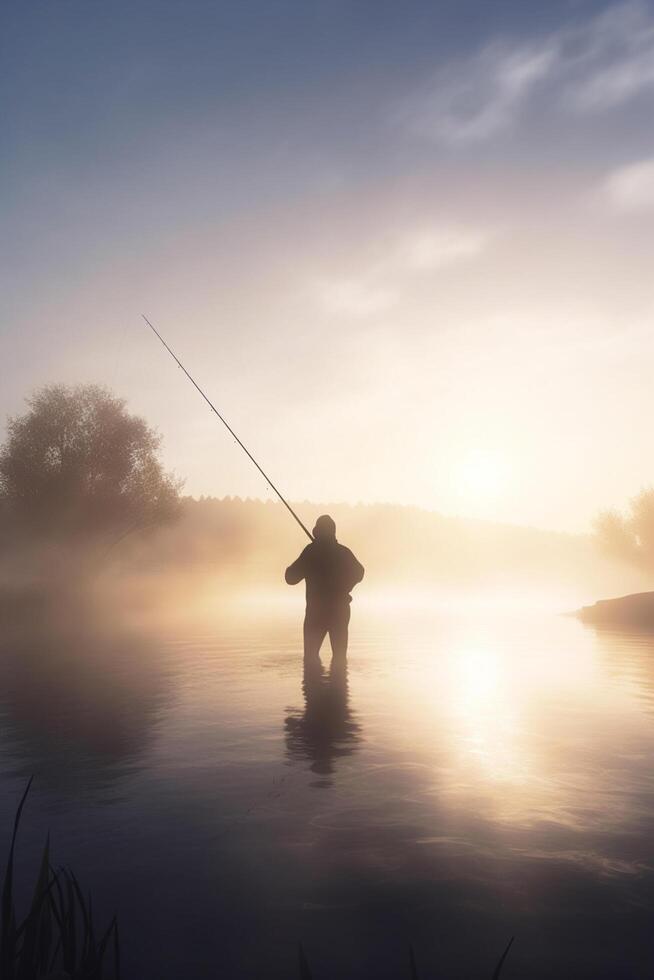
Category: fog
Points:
column 232, row 549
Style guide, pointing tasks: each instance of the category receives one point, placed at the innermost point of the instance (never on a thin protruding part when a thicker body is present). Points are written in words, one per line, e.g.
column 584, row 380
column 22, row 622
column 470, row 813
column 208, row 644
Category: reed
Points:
column 306, row 974
column 57, row 939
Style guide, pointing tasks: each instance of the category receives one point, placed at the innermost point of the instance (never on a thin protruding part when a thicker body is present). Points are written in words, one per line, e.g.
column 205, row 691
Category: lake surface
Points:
column 468, row 776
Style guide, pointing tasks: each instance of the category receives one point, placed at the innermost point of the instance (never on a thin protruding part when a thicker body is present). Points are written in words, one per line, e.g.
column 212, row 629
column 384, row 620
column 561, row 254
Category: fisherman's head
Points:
column 325, row 529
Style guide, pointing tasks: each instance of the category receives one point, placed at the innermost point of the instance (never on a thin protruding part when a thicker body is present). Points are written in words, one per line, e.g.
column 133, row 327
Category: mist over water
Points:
column 406, row 251
column 472, row 773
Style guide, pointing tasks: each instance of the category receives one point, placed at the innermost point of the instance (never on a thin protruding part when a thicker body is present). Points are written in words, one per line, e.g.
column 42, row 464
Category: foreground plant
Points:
column 306, row 974
column 56, row 940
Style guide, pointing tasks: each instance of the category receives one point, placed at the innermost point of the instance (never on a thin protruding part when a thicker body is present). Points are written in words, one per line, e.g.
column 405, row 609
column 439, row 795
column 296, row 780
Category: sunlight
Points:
column 482, row 475
column 486, row 706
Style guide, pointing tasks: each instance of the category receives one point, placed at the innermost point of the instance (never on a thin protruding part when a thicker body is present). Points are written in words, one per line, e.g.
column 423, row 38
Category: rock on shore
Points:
column 635, row 610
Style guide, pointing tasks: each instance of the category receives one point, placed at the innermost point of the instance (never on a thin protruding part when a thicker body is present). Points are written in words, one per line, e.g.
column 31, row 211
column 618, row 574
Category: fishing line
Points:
column 229, row 428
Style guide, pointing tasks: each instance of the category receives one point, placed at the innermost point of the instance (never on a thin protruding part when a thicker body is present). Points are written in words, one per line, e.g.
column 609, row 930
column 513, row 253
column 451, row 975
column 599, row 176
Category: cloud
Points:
column 380, row 286
column 596, row 66
column 631, row 188
column 475, row 99
column 615, row 59
column 355, row 298
column 429, row 250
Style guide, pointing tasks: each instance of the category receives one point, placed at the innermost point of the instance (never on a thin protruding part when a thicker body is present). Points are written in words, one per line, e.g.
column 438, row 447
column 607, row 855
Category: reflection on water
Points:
column 326, row 730
column 629, row 661
column 487, row 776
column 78, row 696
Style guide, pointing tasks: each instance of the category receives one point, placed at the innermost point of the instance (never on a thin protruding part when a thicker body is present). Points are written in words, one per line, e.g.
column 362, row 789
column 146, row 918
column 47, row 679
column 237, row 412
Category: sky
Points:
column 406, row 248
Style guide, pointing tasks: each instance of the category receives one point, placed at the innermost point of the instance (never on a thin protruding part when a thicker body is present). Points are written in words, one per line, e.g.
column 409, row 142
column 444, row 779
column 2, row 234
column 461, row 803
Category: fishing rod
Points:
column 229, row 429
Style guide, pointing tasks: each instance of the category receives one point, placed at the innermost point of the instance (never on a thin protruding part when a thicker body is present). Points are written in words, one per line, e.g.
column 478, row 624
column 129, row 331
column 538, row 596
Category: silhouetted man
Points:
column 331, row 571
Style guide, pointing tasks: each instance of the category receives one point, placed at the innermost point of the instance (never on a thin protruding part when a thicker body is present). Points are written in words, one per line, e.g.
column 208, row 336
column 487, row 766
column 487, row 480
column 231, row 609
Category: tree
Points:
column 77, row 466
column 630, row 536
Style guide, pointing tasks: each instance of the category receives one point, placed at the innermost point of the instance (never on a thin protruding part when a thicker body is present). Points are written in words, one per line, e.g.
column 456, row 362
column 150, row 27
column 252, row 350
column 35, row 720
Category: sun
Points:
column 482, row 475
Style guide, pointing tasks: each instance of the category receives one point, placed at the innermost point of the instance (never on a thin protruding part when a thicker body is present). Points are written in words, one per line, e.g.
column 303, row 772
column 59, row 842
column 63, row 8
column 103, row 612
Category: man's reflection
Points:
column 325, row 731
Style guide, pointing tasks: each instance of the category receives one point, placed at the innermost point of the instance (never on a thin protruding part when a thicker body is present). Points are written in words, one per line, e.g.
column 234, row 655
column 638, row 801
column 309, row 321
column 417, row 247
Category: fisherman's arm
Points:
column 356, row 570
column 296, row 572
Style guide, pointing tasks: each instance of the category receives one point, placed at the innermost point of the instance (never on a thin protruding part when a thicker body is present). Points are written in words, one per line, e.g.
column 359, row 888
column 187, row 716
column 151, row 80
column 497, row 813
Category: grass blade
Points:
column 53, row 960
column 70, row 928
column 102, row 945
column 413, row 969
column 500, row 964
column 305, row 972
column 116, row 952
column 54, row 934
column 7, row 917
column 32, row 941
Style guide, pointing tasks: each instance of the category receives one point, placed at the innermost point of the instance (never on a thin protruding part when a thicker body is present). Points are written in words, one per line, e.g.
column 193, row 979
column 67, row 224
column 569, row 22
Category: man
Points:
column 331, row 571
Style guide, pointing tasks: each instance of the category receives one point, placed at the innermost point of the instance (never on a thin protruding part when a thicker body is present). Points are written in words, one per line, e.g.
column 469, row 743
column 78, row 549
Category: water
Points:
column 468, row 777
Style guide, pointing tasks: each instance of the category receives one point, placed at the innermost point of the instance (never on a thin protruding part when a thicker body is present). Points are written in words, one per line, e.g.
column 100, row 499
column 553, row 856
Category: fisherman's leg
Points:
column 338, row 632
column 314, row 633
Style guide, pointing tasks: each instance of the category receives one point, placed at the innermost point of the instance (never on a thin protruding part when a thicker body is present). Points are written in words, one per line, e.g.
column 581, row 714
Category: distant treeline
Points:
column 83, row 490
column 252, row 540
